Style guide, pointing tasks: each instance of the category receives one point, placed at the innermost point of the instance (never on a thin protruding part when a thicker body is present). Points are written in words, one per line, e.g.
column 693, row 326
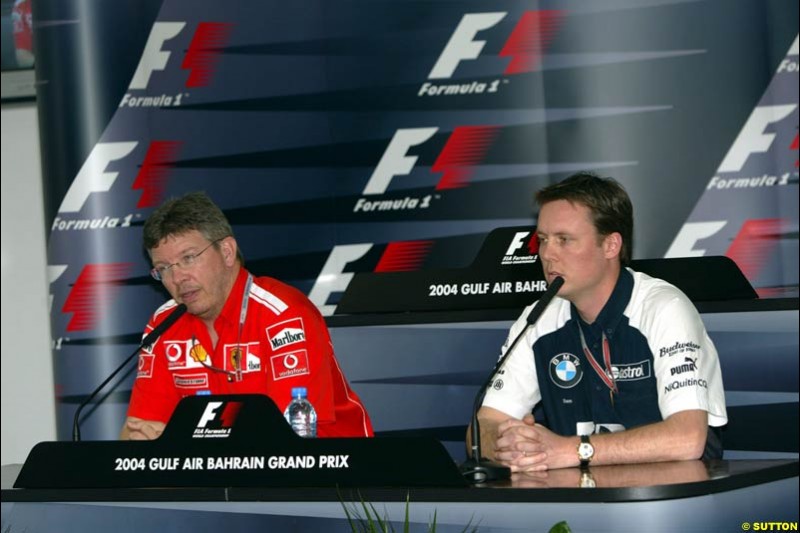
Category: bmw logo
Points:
column 566, row 370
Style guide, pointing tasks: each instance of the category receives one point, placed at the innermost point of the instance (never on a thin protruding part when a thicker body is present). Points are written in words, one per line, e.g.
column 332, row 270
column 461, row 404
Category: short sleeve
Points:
column 515, row 388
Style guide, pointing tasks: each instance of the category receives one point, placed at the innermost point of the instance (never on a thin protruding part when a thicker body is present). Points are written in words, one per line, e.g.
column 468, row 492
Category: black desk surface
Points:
column 185, row 465
column 622, row 483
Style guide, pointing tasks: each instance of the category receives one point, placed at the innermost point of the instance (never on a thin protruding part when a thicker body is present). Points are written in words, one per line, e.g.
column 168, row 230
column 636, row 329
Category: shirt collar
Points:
column 233, row 305
column 612, row 312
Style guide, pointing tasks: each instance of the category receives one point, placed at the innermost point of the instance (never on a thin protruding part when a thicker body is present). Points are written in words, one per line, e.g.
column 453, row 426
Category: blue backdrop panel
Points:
column 339, row 135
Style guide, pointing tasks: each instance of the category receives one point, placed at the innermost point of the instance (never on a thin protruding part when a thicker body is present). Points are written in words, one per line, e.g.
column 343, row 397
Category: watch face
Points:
column 585, row 451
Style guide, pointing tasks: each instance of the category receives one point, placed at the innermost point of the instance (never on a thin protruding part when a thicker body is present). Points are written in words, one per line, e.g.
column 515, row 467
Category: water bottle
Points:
column 301, row 414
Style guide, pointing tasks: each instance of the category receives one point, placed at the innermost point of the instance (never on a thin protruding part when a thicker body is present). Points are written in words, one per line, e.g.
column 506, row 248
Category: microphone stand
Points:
column 478, row 469
column 147, row 341
column 76, row 428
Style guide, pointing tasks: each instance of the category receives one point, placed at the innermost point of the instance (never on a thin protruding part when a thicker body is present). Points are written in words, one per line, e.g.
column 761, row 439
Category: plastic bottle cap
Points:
column 203, row 393
column 299, row 391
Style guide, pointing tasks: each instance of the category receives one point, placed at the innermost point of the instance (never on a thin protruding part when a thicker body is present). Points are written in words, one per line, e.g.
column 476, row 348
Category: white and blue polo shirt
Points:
column 662, row 359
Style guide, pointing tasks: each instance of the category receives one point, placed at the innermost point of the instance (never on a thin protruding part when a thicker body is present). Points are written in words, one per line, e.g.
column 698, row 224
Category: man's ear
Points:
column 612, row 245
column 228, row 247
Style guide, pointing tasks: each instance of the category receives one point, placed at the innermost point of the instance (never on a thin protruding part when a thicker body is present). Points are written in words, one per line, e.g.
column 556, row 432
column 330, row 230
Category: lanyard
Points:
column 605, row 374
column 236, row 355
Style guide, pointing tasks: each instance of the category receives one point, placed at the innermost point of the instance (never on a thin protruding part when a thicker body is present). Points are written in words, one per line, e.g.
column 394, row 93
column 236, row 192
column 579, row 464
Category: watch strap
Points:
column 585, row 460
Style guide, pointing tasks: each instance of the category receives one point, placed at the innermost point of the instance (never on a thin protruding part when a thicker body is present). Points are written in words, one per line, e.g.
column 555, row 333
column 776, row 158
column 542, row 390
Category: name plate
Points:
column 238, row 441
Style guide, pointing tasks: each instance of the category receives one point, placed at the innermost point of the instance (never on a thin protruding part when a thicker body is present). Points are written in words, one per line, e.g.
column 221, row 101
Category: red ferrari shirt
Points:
column 283, row 343
column 23, row 25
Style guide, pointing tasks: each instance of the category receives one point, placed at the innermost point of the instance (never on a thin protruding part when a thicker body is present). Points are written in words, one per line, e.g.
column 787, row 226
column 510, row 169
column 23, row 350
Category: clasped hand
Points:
column 524, row 446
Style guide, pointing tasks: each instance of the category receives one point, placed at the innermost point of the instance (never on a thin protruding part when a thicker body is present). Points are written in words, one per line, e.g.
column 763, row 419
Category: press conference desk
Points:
column 680, row 496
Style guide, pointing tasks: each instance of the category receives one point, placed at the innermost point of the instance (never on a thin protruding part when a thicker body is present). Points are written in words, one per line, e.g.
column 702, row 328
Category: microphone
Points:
column 149, row 339
column 478, row 469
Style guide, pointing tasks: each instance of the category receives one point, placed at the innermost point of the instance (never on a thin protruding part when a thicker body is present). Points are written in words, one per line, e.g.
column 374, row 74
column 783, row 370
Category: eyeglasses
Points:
column 187, row 261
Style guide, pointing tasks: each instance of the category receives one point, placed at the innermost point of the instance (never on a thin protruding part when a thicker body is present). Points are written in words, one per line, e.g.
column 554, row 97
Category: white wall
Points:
column 28, row 403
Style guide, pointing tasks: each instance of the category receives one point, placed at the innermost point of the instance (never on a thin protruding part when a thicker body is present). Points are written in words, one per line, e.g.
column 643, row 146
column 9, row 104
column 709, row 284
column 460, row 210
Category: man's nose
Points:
column 547, row 252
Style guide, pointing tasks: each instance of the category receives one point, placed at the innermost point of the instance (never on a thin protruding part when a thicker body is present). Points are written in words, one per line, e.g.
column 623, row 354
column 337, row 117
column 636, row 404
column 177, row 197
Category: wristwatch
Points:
column 585, row 451
column 587, row 480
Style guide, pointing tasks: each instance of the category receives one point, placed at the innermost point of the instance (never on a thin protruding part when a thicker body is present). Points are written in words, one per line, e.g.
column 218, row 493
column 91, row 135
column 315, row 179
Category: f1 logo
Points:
column 517, row 242
column 464, row 149
column 93, row 176
column 153, row 57
column 200, row 59
column 333, row 278
column 524, row 46
column 226, row 418
column 209, row 414
column 752, row 138
column 462, row 44
column 690, row 234
column 91, row 292
column 396, row 257
column 395, row 160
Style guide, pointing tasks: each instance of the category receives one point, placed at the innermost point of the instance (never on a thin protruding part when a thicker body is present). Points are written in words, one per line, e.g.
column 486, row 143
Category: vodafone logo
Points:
column 289, row 365
column 290, row 361
column 523, row 50
column 464, row 150
column 180, row 353
column 173, row 350
column 145, row 369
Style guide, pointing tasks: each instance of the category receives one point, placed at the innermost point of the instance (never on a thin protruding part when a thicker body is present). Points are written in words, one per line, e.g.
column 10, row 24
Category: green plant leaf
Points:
column 470, row 527
column 367, row 520
column 373, row 522
column 384, row 525
column 561, row 527
column 407, row 524
column 347, row 511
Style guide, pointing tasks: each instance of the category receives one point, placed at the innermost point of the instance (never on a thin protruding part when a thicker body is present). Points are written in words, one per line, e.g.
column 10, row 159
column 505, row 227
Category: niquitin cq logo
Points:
column 532, row 34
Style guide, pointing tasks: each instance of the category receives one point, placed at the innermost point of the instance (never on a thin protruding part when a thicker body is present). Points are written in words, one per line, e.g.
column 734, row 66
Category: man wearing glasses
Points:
column 240, row 335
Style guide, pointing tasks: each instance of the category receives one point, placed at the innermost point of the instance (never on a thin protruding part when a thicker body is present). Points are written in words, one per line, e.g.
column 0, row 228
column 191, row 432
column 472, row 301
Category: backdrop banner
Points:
column 353, row 136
